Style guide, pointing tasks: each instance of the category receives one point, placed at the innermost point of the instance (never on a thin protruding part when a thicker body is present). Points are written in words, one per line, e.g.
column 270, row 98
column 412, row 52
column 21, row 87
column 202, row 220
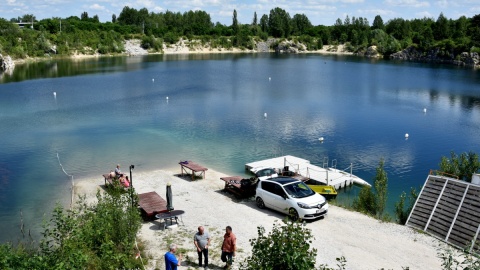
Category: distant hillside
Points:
column 442, row 40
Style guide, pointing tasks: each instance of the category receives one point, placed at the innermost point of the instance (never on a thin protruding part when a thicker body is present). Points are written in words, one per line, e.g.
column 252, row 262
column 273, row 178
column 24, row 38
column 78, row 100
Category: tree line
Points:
column 66, row 35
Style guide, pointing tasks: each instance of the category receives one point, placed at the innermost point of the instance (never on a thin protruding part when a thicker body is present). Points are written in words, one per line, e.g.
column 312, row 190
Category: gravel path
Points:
column 365, row 242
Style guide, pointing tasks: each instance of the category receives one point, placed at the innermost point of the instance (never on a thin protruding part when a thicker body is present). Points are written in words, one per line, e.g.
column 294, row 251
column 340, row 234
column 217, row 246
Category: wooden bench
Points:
column 151, row 204
column 194, row 167
column 111, row 180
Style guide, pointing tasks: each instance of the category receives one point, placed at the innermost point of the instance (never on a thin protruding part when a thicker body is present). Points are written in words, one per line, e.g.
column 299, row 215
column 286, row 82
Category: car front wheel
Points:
column 293, row 214
column 260, row 203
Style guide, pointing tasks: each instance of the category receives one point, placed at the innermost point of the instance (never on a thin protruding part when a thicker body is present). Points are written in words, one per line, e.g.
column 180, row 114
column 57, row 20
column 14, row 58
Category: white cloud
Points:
column 97, row 7
column 407, row 3
column 442, row 3
column 424, row 14
column 381, row 12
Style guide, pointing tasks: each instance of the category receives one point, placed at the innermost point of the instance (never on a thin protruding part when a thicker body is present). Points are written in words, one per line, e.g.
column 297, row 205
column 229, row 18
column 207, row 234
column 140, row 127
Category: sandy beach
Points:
column 366, row 243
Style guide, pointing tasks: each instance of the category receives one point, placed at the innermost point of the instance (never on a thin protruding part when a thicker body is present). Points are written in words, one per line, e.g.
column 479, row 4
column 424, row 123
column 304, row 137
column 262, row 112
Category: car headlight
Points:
column 302, row 205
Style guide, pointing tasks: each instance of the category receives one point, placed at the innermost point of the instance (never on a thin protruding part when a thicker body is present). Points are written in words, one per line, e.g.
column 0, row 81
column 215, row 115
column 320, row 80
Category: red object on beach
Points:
column 194, row 167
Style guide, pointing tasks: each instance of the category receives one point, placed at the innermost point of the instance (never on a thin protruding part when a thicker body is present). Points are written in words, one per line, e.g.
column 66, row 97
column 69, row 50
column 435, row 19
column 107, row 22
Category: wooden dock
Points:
column 329, row 176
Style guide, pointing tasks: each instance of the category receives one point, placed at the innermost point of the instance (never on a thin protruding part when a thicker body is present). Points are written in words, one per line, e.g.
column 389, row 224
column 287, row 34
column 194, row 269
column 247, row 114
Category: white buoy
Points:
column 54, row 94
column 424, row 110
column 153, row 80
column 406, row 135
column 321, row 139
column 269, row 78
column 265, row 115
column 166, row 98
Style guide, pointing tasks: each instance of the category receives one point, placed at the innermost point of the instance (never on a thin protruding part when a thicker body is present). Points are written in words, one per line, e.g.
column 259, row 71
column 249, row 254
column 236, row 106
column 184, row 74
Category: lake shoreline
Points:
column 182, row 50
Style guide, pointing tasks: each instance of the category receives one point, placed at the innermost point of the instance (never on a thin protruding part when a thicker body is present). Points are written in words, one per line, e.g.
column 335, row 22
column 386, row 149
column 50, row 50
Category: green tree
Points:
column 401, row 212
column 463, row 166
column 84, row 16
column 474, row 30
column 264, row 23
column 279, row 23
column 300, row 24
column 286, row 247
column 114, row 18
column 380, row 184
column 378, row 23
column 365, row 202
column 441, row 28
column 235, row 22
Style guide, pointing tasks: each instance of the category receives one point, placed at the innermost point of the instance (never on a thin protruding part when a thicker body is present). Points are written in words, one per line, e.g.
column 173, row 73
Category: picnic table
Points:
column 151, row 204
column 233, row 184
column 171, row 216
column 194, row 167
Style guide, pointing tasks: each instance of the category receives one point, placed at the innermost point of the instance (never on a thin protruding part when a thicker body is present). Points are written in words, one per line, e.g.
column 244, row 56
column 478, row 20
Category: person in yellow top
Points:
column 229, row 247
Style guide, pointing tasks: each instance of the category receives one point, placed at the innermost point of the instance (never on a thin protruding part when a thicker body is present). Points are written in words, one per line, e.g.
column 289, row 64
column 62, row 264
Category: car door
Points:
column 267, row 194
column 280, row 198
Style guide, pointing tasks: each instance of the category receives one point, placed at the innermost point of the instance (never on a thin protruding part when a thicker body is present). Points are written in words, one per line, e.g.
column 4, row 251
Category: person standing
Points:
column 229, row 247
column 202, row 242
column 171, row 261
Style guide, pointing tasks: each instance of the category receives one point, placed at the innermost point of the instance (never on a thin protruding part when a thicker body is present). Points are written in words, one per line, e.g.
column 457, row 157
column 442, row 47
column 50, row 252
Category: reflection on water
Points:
column 115, row 113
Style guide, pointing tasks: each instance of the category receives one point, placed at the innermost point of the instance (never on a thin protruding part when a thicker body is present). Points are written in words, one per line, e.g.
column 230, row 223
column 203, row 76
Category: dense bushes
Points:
column 374, row 202
column 100, row 236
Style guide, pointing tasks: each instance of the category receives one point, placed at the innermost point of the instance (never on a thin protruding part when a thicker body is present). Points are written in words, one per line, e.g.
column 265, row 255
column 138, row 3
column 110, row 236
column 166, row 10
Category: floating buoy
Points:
column 406, row 135
column 265, row 115
column 321, row 139
column 424, row 110
column 269, row 78
column 153, row 80
column 166, row 98
column 54, row 94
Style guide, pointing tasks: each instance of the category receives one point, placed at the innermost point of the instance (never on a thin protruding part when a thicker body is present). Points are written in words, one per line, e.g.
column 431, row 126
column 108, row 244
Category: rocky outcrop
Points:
column 6, row 63
column 290, row 47
column 468, row 60
column 264, row 46
column 133, row 47
column 372, row 52
column 438, row 56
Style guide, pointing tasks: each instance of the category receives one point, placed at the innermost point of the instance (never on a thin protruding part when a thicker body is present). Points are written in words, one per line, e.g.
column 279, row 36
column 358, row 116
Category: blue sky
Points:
column 323, row 12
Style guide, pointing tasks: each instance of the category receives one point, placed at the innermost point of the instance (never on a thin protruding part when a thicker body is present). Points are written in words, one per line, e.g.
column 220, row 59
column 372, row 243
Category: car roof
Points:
column 283, row 180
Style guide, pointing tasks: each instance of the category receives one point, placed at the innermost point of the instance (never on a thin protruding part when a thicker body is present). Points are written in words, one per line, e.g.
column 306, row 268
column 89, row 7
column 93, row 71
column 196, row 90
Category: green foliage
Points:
column 85, row 34
column 150, row 42
column 401, row 212
column 279, row 23
column 286, row 247
column 99, row 236
column 365, row 202
column 462, row 166
column 374, row 202
column 380, row 184
column 453, row 259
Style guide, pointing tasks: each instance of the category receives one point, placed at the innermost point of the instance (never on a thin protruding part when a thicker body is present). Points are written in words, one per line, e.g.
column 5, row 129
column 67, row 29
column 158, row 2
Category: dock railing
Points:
column 326, row 173
column 296, row 167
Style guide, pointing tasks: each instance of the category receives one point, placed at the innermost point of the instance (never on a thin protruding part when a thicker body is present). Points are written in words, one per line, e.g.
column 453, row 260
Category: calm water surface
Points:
column 109, row 110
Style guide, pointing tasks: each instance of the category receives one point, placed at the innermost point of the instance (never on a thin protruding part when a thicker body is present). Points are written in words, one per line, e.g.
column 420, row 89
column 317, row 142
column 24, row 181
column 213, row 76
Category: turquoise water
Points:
column 109, row 110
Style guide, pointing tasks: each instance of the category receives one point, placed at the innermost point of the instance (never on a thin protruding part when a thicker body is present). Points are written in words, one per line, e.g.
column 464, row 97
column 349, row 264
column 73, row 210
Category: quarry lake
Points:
column 115, row 110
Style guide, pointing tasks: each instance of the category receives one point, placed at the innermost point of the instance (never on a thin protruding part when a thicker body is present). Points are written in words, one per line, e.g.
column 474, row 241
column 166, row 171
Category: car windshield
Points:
column 298, row 190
